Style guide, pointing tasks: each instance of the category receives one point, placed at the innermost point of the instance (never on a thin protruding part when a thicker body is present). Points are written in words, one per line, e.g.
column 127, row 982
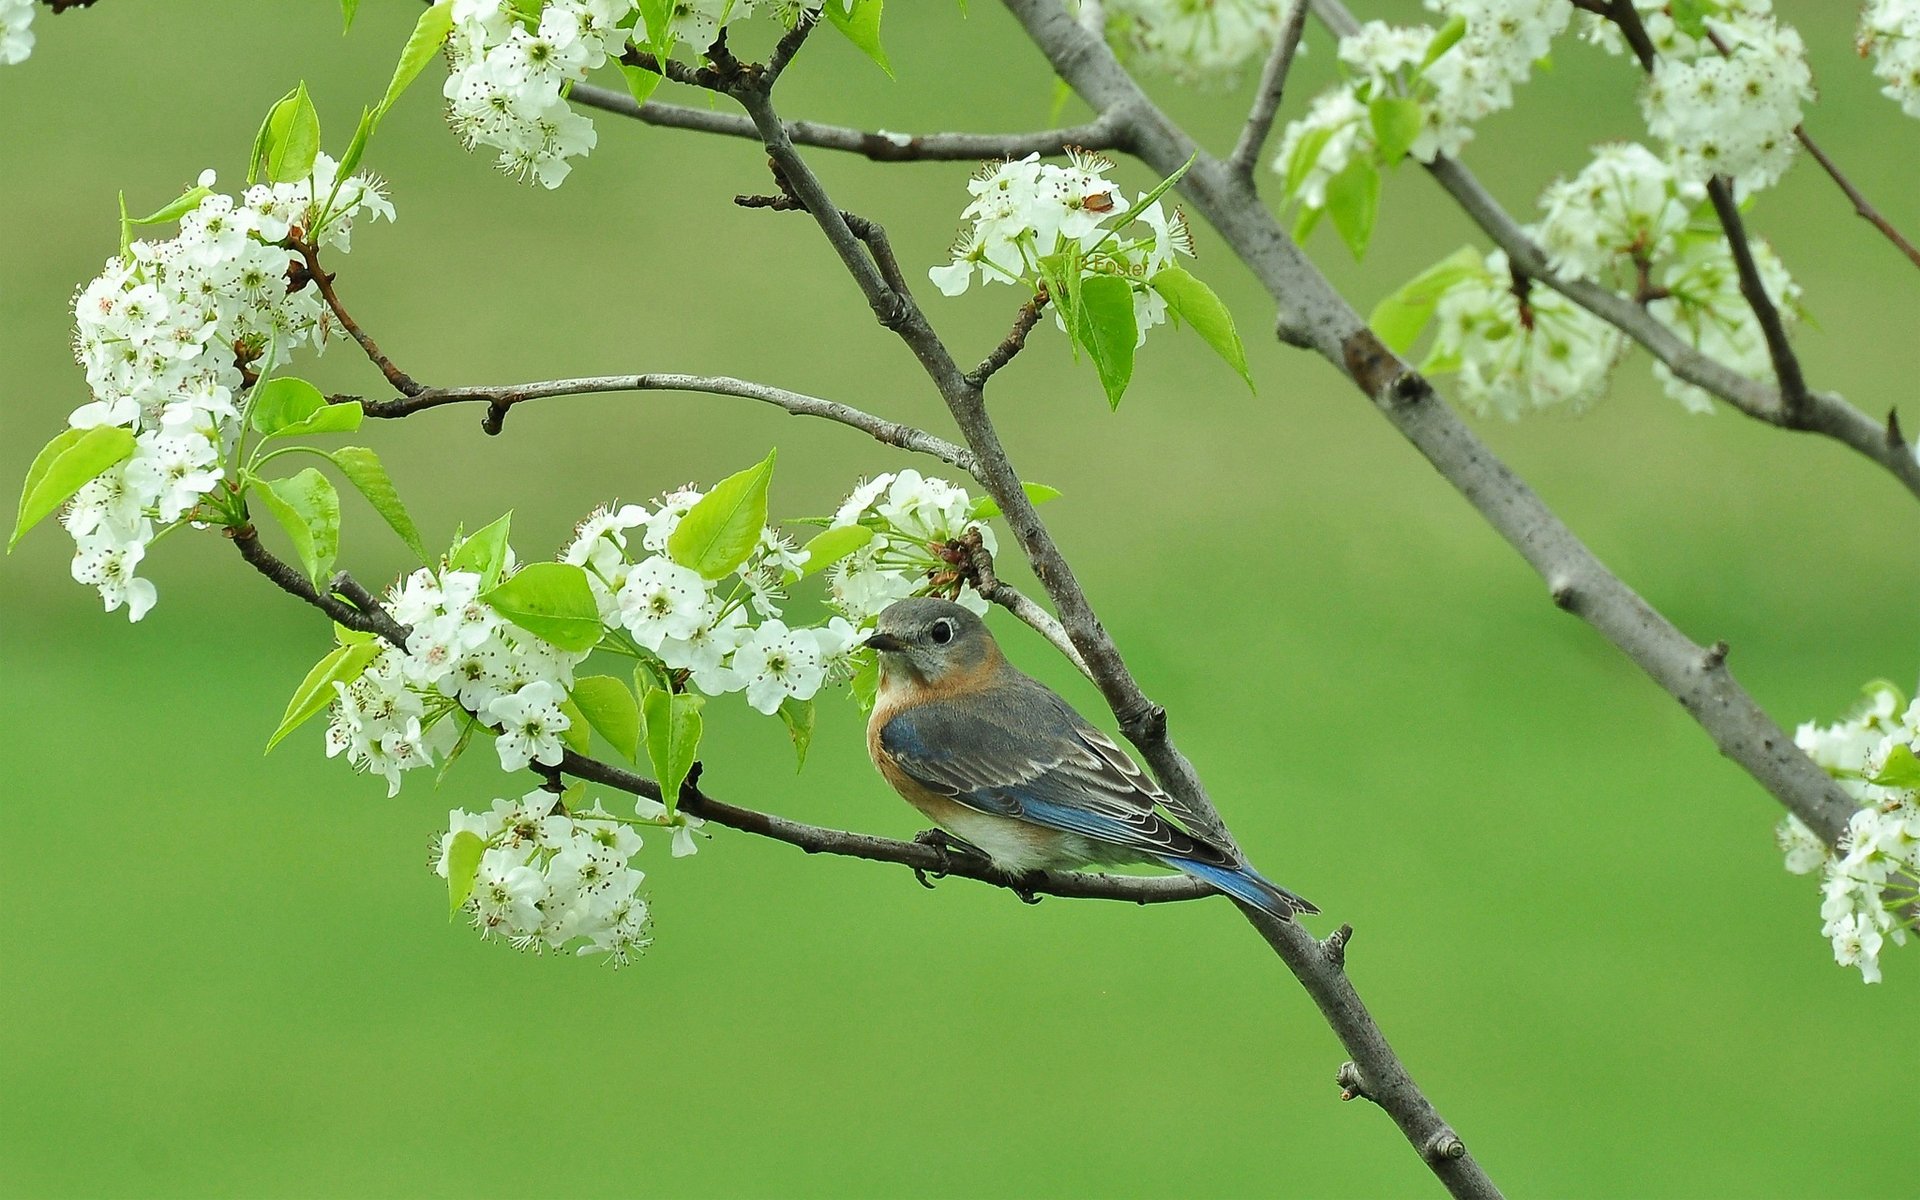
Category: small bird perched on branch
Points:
column 1001, row 762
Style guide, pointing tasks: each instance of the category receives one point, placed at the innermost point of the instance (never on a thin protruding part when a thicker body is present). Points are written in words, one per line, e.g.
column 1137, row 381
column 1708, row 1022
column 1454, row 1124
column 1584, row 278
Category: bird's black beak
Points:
column 884, row 641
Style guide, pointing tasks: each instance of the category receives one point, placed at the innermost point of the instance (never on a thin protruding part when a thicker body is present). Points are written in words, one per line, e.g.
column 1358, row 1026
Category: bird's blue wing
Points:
column 1017, row 750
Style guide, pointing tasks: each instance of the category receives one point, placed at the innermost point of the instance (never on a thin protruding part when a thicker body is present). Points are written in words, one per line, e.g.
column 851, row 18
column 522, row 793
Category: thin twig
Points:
column 1266, row 99
column 503, row 397
column 1013, row 343
column 974, row 562
column 1786, row 364
column 789, row 45
column 1861, row 206
column 401, row 381
column 288, row 579
column 1106, row 133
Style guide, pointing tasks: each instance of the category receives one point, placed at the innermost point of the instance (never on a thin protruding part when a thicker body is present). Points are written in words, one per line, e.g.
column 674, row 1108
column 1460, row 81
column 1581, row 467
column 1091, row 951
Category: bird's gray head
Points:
column 932, row 639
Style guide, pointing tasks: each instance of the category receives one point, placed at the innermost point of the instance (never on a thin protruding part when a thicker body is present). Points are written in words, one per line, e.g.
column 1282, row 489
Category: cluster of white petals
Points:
column 1520, row 350
column 1890, row 34
column 908, row 514
column 1867, row 881
column 1206, row 42
column 167, row 334
column 550, row 878
column 1025, row 211
column 16, row 31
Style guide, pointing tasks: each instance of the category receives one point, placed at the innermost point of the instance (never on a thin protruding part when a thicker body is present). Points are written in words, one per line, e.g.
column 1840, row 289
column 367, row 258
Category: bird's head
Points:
column 932, row 640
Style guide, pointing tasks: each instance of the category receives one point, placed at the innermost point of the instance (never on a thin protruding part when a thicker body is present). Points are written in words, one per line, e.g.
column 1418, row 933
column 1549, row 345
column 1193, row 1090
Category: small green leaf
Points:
column 865, row 684
column 720, row 531
column 350, row 637
column 640, row 81
column 280, row 404
column 328, row 418
column 829, row 547
column 429, row 34
column 1400, row 318
column 609, row 707
column 1159, row 189
column 65, row 465
column 342, row 665
column 357, row 147
column 862, row 27
column 1353, row 201
column 348, row 8
column 986, row 508
column 1304, row 221
column 1104, row 325
column 1396, row 122
column 308, row 508
column 362, row 468
column 469, row 724
column 1443, row 41
column 673, row 740
column 550, row 600
column 1196, row 304
column 1690, row 16
column 1306, row 153
column 463, row 868
column 293, row 139
column 484, row 553
column 656, row 18
column 179, row 207
column 1901, row 770
column 578, row 735
column 797, row 716
column 262, row 144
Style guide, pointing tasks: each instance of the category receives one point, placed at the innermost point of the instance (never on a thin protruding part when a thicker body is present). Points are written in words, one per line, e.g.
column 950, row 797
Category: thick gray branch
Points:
column 1107, row 133
column 1266, row 97
column 1315, row 315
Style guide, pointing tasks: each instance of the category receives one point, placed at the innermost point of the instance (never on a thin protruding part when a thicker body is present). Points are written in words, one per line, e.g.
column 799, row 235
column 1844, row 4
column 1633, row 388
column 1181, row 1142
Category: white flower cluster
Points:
column 1516, row 355
column 16, row 31
column 1027, row 210
column 549, row 877
column 512, row 63
column 1466, row 82
column 1868, row 879
column 405, row 710
column 1726, row 99
column 1889, row 32
column 164, row 333
column 1206, row 42
column 908, row 513
column 705, row 627
column 1625, row 221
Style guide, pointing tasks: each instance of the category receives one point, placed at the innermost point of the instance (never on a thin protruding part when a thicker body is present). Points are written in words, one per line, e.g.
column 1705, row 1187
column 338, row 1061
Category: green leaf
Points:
column 1690, row 16
column 329, row 418
column 1444, row 40
column 1304, row 221
column 362, row 468
column 179, row 207
column 673, row 740
column 1396, row 122
column 578, row 735
column 348, row 8
column 1306, row 152
column 865, row 684
column 308, row 508
column 1196, row 304
column 484, row 553
column 1400, row 318
column 292, row 139
column 862, row 27
column 720, row 531
column 1870, row 698
column 551, row 600
column 986, row 507
column 1103, row 323
column 65, row 465
column 356, row 148
column 609, row 707
column 342, row 665
column 350, row 637
column 1158, row 190
column 429, row 34
column 797, row 716
column 1901, row 770
column 827, row 548
column 463, row 868
column 280, row 404
column 656, row 18
column 640, row 81
column 262, row 143
column 1353, row 201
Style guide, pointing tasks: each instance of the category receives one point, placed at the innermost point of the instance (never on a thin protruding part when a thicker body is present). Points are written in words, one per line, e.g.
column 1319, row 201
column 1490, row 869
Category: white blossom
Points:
column 1890, row 33
column 16, row 31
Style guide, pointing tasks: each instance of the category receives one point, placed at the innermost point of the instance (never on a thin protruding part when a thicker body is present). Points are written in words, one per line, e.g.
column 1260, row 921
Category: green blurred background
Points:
column 225, row 974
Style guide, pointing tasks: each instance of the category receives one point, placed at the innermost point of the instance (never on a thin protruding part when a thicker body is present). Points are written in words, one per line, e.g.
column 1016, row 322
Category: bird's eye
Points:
column 942, row 632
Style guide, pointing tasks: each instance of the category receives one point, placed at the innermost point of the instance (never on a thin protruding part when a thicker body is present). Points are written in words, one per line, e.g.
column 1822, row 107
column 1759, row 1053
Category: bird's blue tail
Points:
column 1245, row 883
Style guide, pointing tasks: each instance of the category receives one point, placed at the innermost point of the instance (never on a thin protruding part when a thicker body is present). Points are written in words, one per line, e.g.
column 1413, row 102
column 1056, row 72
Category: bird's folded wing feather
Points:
column 1020, row 751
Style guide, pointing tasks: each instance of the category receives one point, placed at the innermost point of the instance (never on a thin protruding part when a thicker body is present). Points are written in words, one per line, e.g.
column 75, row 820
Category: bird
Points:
column 1001, row 762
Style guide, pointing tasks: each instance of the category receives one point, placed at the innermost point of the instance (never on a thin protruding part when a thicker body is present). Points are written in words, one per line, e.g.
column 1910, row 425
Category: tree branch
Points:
column 401, row 381
column 881, row 146
column 1266, row 98
column 1013, row 343
column 499, row 399
column 1786, row 365
column 1861, row 206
